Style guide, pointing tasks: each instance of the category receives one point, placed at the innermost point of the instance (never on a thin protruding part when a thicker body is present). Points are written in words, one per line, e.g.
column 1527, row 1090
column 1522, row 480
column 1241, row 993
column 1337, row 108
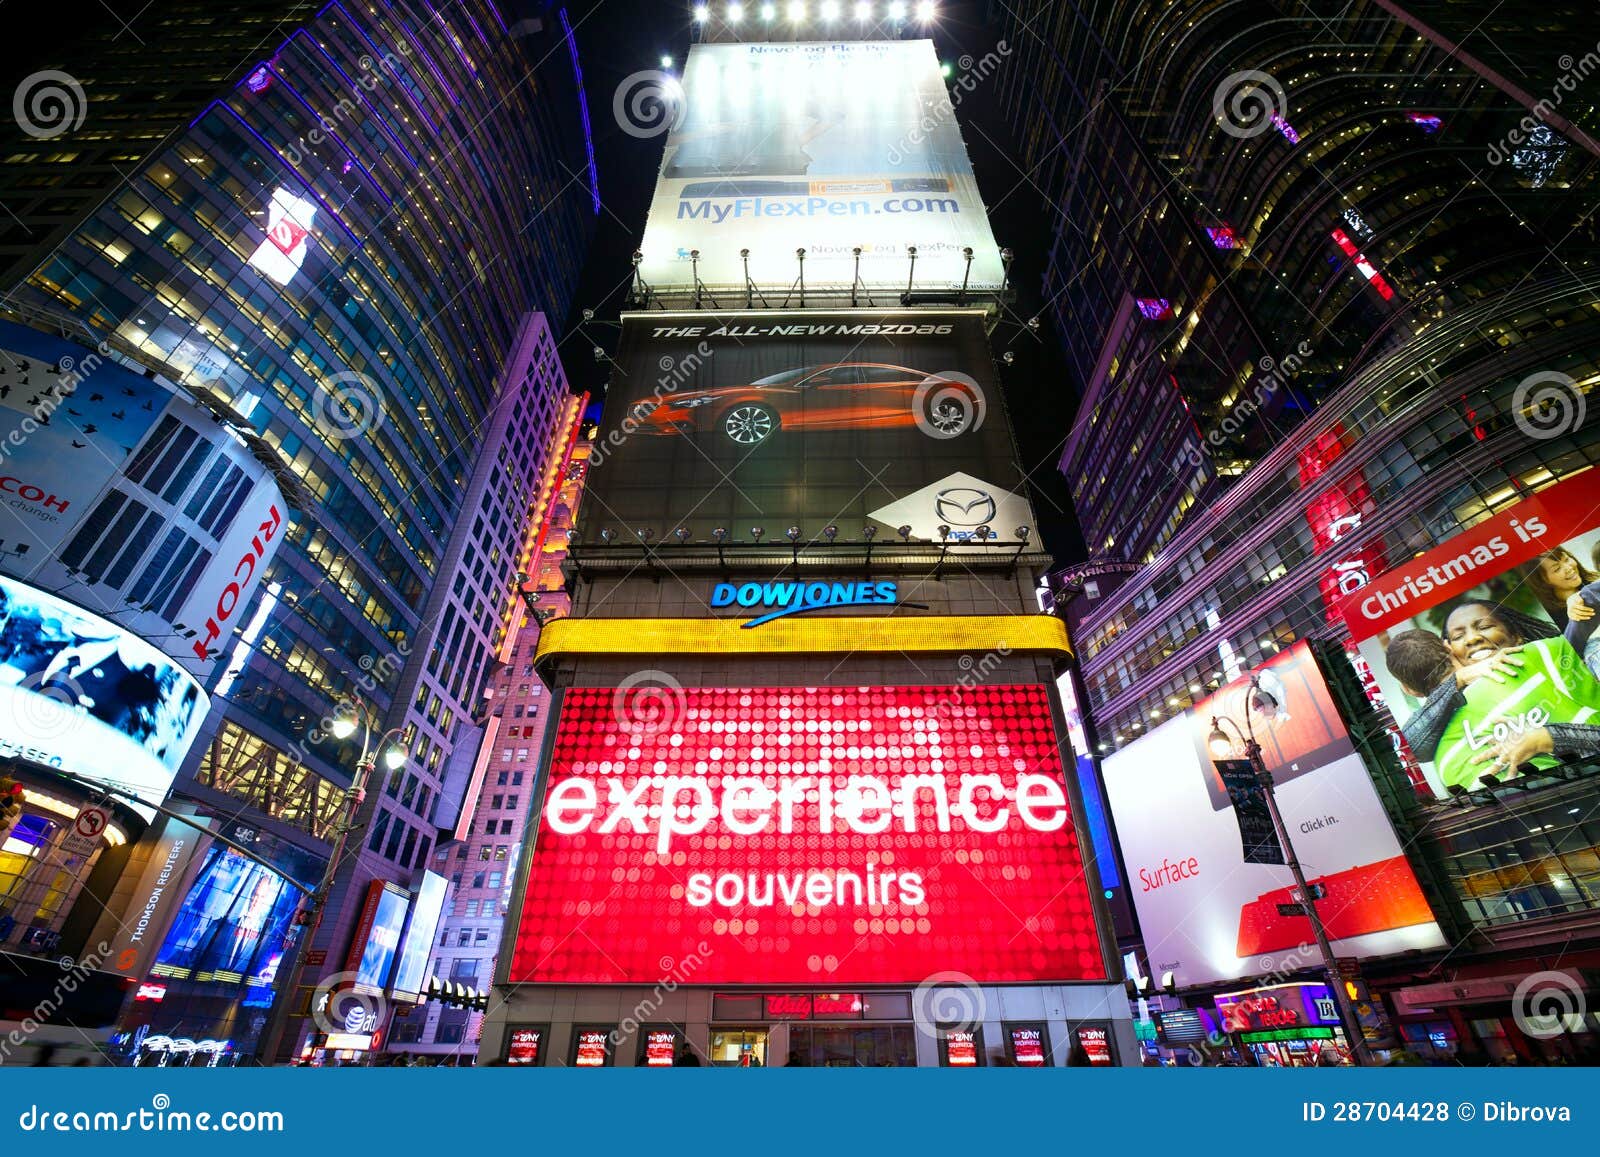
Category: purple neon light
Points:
column 259, row 78
column 305, row 184
column 377, row 55
column 377, row 114
column 495, row 12
column 450, row 37
column 465, row 11
column 1285, row 128
column 333, row 136
column 416, row 39
column 583, row 107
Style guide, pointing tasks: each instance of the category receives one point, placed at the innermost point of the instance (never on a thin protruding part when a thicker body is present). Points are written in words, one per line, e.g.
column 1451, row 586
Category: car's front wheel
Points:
column 750, row 423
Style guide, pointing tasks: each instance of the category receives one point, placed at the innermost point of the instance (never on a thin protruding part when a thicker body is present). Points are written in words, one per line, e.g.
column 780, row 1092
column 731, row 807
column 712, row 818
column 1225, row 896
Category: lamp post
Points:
column 1222, row 746
column 354, row 713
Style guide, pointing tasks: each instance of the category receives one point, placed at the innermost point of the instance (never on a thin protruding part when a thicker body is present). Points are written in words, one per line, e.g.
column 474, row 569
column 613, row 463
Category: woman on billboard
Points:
column 1562, row 585
column 1508, row 692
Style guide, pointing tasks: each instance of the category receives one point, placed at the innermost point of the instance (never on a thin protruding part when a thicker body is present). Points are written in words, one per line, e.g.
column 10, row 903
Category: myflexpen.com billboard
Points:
column 821, row 147
column 738, row 421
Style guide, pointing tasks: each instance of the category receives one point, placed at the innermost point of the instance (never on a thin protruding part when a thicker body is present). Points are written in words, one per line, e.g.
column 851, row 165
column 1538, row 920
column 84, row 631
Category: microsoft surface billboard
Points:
column 825, row 147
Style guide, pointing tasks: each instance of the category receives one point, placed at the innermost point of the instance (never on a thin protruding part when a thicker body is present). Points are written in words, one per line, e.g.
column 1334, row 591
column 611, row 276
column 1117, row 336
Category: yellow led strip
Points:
column 832, row 634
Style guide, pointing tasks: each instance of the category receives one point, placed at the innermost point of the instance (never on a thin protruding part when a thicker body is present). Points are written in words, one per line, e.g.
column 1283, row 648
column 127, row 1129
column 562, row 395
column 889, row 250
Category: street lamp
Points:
column 354, row 713
column 1222, row 747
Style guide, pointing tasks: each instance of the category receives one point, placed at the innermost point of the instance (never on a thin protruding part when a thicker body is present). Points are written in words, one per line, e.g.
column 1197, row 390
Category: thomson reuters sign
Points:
column 846, row 834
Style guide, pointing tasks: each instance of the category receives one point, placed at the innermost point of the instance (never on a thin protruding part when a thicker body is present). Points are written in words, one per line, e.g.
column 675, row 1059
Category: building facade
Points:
column 352, row 252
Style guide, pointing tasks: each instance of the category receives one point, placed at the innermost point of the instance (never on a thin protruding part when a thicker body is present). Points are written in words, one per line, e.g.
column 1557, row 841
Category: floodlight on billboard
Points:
column 849, row 151
column 1210, row 909
column 806, row 834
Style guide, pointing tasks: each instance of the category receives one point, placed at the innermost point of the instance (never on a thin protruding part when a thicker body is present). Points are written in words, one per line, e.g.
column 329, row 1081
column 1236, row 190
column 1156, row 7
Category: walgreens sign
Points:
column 864, row 834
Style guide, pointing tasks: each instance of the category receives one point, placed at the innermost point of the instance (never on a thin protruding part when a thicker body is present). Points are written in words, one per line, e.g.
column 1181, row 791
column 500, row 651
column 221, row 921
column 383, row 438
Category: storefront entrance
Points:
column 848, row 1046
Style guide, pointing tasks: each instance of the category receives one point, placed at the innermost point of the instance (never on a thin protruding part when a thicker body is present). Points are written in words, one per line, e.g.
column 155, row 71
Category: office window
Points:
column 484, row 852
column 472, row 908
column 499, row 851
column 494, row 879
column 511, row 803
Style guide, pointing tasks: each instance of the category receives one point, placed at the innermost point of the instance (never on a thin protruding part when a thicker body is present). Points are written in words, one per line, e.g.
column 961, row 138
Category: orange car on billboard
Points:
column 837, row 396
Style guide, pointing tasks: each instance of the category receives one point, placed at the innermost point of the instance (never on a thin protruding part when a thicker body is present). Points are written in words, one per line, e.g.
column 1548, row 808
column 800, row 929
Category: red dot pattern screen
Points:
column 805, row 835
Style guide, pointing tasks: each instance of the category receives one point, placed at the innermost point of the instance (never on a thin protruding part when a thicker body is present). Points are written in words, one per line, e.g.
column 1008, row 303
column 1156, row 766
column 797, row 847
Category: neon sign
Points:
column 794, row 598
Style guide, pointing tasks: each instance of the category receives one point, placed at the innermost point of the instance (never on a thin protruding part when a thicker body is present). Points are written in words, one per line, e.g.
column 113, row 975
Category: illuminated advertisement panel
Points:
column 767, row 419
column 412, row 971
column 1208, row 911
column 822, row 147
column 230, row 928
column 805, row 834
column 377, row 936
column 115, row 485
column 525, row 1047
column 80, row 694
column 1485, row 649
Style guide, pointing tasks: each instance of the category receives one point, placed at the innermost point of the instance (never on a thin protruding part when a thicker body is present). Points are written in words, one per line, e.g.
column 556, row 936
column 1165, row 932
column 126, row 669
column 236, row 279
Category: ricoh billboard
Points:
column 148, row 509
column 794, row 835
column 825, row 147
column 738, row 420
column 1212, row 903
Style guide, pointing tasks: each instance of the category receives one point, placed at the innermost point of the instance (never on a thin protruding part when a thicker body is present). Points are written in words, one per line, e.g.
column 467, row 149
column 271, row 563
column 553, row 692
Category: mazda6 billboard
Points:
column 800, row 835
column 768, row 420
column 824, row 147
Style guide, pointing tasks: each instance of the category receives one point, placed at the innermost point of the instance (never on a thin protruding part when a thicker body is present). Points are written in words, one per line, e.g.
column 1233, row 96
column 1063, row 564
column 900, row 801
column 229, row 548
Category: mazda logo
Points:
column 964, row 506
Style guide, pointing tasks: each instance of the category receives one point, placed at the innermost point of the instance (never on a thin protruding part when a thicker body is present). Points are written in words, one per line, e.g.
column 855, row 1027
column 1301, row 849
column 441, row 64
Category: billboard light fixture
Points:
column 797, row 12
column 735, row 13
column 897, row 10
column 701, row 13
column 666, row 62
column 925, row 11
column 863, row 11
column 769, row 12
column 830, row 10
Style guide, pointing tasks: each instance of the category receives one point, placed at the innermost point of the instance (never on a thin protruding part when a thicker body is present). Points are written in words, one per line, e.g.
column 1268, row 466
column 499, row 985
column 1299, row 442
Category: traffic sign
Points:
column 87, row 828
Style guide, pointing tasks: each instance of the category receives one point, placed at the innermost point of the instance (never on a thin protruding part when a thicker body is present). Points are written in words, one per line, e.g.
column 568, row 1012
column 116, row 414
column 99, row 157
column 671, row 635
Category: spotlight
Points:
column 863, row 11
column 897, row 10
column 607, row 534
column 757, row 531
column 925, row 11
column 720, row 533
column 701, row 13
column 1008, row 358
column 869, row 533
column 830, row 532
column 681, row 534
column 599, row 353
column 735, row 13
column 904, row 532
column 983, row 533
column 792, row 534
column 1022, row 534
column 830, row 9
column 666, row 62
column 769, row 12
column 797, row 12
column 645, row 535
column 944, row 531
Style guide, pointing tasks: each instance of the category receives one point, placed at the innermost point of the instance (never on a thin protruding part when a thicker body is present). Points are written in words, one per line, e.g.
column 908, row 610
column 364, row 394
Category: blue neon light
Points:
column 583, row 107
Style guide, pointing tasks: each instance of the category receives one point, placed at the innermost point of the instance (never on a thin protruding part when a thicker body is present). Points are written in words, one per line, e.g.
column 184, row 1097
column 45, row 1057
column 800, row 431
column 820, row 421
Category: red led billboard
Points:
column 791, row 835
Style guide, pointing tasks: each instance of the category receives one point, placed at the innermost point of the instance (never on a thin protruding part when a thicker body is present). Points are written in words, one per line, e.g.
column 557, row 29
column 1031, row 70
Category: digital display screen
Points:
column 1210, row 905
column 377, row 936
column 525, row 1046
column 1027, row 1046
column 231, row 925
column 1496, row 630
column 592, row 1048
column 795, row 835
column 1096, row 1044
column 660, row 1048
column 960, row 1048
column 809, row 419
column 411, row 973
column 85, row 696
